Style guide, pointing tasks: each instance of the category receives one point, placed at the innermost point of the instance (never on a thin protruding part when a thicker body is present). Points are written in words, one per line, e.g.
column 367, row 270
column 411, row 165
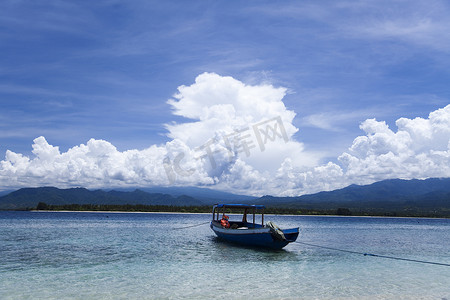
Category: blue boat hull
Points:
column 256, row 237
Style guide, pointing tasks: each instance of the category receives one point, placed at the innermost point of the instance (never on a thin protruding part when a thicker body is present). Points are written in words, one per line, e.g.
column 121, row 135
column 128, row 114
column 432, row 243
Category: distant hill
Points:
column 2, row 193
column 427, row 197
column 386, row 195
column 205, row 195
column 30, row 197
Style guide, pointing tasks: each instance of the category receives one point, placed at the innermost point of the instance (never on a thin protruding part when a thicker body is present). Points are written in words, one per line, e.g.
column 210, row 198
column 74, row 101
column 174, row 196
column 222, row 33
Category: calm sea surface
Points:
column 54, row 255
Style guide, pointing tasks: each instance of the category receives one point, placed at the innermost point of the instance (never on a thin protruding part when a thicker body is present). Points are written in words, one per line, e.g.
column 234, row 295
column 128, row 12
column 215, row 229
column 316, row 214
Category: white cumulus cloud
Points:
column 221, row 106
column 420, row 148
column 239, row 138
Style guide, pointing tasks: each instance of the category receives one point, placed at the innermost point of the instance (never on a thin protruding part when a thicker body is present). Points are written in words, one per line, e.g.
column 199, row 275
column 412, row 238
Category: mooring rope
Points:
column 184, row 227
column 375, row 255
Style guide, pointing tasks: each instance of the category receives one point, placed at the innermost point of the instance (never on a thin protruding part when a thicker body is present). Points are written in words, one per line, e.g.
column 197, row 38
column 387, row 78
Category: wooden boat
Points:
column 249, row 232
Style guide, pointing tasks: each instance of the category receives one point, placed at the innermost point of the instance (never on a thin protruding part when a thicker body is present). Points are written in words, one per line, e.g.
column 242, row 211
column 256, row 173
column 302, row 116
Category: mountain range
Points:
column 30, row 197
column 388, row 195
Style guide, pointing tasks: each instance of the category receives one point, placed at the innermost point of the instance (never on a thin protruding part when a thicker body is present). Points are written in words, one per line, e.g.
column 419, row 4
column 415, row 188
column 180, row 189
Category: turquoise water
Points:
column 139, row 256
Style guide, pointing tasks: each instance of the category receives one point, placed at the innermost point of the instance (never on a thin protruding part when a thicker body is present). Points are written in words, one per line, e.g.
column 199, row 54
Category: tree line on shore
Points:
column 207, row 209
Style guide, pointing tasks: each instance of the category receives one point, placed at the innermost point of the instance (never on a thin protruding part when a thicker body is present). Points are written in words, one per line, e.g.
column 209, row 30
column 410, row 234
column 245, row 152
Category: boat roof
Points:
column 240, row 206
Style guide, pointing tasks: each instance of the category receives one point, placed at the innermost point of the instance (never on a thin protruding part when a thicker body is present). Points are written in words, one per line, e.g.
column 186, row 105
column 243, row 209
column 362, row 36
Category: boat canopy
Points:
column 239, row 206
column 221, row 208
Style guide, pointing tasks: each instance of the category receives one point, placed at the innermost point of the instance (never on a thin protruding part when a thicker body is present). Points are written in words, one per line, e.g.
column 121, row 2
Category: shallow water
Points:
column 53, row 255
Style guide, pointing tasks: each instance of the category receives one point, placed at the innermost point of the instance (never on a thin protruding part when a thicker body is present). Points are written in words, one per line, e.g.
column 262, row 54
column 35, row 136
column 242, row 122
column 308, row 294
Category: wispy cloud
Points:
column 421, row 24
column 335, row 120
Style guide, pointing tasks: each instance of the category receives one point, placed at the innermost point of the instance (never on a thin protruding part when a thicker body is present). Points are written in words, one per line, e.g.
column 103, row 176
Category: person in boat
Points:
column 224, row 222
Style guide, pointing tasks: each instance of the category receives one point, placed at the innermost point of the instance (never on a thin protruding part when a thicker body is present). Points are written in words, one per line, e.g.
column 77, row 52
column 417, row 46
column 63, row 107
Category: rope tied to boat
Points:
column 190, row 226
column 376, row 255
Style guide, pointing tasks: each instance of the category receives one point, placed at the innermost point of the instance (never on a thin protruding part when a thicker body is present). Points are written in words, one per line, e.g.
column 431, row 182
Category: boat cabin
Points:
column 249, row 216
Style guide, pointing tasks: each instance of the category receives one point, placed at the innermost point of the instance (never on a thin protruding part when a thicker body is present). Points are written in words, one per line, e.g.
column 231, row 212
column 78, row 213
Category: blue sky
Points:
column 75, row 70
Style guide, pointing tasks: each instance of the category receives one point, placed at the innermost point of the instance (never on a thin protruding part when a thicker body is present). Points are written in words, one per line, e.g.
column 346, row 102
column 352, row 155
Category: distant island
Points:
column 396, row 197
